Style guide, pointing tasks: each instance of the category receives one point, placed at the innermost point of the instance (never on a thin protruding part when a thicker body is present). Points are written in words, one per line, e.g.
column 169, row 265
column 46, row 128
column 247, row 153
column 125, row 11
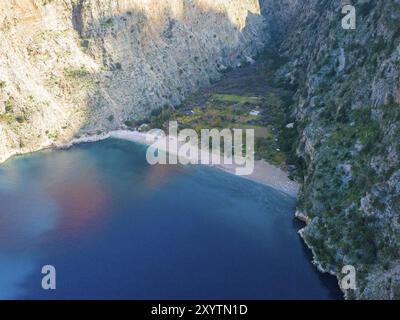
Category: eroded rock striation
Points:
column 70, row 67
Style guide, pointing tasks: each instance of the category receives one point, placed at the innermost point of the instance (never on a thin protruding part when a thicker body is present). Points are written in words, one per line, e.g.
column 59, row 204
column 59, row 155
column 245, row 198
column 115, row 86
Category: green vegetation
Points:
column 4, row 117
column 240, row 108
column 366, row 8
column 9, row 104
column 355, row 139
column 80, row 77
column 20, row 119
column 78, row 74
column 109, row 23
column 52, row 135
column 236, row 99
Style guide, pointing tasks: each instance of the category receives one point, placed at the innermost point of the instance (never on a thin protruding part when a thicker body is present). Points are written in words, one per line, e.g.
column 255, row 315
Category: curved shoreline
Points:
column 264, row 173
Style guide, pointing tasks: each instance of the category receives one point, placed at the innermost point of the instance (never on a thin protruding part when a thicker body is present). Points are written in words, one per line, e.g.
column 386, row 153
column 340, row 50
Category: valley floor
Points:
column 244, row 98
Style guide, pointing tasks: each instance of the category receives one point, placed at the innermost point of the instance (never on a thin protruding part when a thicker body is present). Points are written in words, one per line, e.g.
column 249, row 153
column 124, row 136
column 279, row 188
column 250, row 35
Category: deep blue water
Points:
column 116, row 228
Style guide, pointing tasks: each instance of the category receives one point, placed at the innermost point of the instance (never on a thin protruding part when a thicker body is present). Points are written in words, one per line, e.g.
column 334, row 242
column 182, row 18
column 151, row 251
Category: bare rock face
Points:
column 83, row 66
column 69, row 67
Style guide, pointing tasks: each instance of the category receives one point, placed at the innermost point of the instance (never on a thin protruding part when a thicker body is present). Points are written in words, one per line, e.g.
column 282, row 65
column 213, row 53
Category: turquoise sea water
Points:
column 115, row 227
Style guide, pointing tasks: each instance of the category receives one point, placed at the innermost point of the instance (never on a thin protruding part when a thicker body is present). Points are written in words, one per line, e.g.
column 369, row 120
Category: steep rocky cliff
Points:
column 69, row 67
column 347, row 106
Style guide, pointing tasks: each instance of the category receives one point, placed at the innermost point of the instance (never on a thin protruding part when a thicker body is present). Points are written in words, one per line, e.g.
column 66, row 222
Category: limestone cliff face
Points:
column 347, row 106
column 69, row 67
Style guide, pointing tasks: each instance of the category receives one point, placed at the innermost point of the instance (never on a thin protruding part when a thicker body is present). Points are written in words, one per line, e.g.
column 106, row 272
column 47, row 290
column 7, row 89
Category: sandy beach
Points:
column 263, row 173
column 269, row 175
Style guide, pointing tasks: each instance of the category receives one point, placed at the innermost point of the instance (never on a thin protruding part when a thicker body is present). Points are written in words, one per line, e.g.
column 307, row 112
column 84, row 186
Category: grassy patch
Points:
column 9, row 104
column 229, row 104
column 233, row 112
column 236, row 99
column 78, row 74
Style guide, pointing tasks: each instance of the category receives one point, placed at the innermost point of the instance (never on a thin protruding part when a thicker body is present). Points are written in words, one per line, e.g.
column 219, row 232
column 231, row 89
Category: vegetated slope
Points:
column 82, row 66
column 69, row 67
column 347, row 106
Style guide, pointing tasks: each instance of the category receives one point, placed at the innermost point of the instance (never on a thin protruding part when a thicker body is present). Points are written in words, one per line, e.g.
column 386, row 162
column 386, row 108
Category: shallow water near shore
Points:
column 115, row 227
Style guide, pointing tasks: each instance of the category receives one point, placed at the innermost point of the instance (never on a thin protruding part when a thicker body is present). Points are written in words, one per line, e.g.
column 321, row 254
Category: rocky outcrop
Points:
column 69, row 67
column 302, row 217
